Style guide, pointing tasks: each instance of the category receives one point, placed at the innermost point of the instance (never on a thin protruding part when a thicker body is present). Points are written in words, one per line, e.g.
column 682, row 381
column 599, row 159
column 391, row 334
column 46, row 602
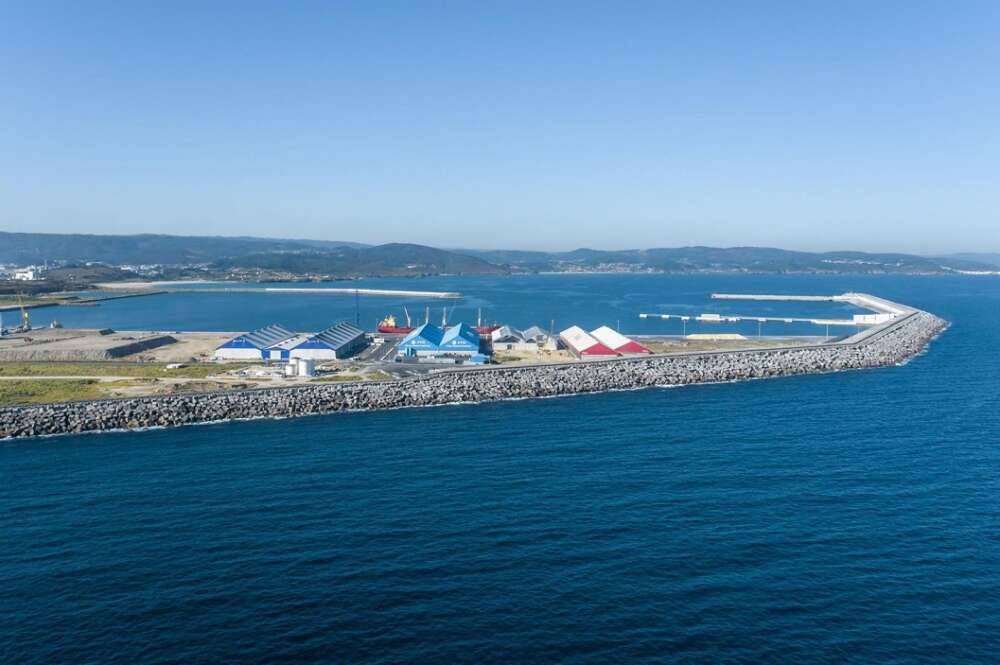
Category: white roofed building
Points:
column 581, row 344
column 617, row 342
column 506, row 338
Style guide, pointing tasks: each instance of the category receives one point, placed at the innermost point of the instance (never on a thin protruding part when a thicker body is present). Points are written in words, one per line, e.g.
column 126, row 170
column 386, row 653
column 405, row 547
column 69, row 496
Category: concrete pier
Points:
column 860, row 300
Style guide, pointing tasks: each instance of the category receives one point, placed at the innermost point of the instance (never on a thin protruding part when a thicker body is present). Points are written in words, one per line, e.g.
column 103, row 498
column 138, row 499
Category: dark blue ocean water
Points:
column 841, row 518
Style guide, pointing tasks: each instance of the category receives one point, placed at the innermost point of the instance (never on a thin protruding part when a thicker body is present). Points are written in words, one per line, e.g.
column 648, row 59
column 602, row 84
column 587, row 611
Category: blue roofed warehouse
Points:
column 254, row 345
column 341, row 340
column 275, row 342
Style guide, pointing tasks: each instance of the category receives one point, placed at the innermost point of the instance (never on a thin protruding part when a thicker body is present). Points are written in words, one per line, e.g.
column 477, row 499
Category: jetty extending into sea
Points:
column 891, row 342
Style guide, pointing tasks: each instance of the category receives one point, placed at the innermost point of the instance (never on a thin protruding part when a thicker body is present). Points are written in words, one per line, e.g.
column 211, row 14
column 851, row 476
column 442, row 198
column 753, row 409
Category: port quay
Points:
column 892, row 336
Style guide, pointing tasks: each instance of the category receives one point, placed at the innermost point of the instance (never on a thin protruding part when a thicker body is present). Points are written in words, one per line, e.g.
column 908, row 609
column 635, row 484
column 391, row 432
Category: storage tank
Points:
column 290, row 369
column 307, row 367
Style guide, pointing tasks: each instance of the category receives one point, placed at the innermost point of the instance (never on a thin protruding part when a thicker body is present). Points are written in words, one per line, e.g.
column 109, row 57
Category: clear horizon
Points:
column 860, row 127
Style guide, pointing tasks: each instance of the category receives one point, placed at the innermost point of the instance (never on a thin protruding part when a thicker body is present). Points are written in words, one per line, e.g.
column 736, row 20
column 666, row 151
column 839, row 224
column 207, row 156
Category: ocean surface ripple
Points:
column 837, row 518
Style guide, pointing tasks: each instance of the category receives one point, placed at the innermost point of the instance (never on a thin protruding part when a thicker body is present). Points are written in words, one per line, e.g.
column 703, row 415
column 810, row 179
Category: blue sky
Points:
column 806, row 125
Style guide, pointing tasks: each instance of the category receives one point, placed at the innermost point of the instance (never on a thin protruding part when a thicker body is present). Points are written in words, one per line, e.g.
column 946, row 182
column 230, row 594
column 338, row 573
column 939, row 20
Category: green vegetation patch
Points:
column 379, row 375
column 8, row 302
column 336, row 377
column 41, row 391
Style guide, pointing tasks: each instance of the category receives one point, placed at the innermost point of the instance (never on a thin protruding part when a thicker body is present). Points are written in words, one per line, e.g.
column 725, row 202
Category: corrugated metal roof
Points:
column 268, row 335
column 535, row 334
column 507, row 334
column 337, row 335
column 290, row 343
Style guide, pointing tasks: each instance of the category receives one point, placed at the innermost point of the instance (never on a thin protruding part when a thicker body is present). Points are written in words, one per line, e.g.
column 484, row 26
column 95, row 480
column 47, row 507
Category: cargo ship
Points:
column 484, row 330
column 389, row 327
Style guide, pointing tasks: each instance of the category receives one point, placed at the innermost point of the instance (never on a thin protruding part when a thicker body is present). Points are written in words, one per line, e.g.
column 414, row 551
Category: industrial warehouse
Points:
column 617, row 342
column 603, row 342
column 275, row 342
column 459, row 344
column 506, row 338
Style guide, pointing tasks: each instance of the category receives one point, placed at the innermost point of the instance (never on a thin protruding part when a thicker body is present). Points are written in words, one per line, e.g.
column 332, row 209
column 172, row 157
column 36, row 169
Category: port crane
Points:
column 25, row 316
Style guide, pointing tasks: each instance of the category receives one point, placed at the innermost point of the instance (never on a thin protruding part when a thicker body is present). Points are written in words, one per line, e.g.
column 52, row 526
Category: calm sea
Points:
column 842, row 518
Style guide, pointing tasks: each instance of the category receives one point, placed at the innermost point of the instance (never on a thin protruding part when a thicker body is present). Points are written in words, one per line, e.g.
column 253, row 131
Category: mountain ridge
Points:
column 246, row 255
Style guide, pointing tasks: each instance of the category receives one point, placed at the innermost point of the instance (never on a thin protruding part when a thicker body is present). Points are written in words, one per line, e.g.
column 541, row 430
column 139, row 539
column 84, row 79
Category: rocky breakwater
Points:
column 891, row 346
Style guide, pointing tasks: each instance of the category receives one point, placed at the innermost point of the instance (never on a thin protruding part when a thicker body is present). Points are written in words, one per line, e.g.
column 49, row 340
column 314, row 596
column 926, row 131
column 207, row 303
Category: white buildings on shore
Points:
column 28, row 274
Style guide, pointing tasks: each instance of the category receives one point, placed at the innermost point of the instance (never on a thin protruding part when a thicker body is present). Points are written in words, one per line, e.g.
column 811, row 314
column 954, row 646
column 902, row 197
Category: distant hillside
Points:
column 978, row 257
column 265, row 258
column 386, row 260
column 729, row 259
column 70, row 277
column 27, row 248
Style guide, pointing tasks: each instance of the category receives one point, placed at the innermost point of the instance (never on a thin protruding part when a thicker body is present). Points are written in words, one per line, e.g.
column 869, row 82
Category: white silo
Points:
column 307, row 367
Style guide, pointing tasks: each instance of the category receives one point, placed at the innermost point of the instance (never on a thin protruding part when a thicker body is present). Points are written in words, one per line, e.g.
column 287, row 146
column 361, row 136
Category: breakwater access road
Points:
column 890, row 344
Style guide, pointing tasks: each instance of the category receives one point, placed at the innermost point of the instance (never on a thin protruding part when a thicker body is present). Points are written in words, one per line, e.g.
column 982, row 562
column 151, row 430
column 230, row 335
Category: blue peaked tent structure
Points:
column 460, row 339
column 424, row 339
column 455, row 343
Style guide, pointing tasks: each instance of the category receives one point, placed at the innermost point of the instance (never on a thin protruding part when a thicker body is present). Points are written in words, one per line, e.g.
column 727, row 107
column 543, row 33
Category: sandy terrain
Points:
column 189, row 347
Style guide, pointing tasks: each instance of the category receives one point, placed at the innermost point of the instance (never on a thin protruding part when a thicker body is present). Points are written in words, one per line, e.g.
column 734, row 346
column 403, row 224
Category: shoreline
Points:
column 893, row 345
column 210, row 286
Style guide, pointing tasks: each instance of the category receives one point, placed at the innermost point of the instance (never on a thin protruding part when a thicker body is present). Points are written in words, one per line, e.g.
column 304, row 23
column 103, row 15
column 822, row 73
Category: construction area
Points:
column 49, row 344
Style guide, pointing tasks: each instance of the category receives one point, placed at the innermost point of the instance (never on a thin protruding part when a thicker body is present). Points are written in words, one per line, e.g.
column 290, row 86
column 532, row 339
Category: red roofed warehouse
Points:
column 581, row 345
column 616, row 341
